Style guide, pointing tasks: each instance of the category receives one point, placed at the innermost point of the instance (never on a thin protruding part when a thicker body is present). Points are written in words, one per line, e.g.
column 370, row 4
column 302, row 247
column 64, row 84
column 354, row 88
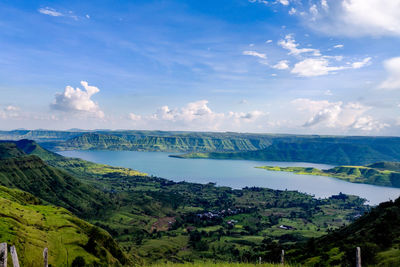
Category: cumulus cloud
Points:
column 255, row 54
column 78, row 101
column 338, row 115
column 281, row 65
column 50, row 12
column 290, row 44
column 196, row 115
column 392, row 67
column 338, row 46
column 355, row 17
column 292, row 11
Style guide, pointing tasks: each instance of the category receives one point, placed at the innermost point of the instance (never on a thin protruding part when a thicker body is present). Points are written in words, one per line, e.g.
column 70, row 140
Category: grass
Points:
column 353, row 174
column 32, row 227
column 210, row 264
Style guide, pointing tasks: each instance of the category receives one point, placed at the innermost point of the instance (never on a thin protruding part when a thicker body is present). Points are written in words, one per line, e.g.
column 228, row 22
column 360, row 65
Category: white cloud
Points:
column 314, row 11
column 290, row 44
column 255, row 54
column 134, row 117
column 392, row 67
column 292, row 11
column 259, row 1
column 197, row 115
column 319, row 66
column 9, row 111
column 11, row 108
column 284, row 2
column 338, row 46
column 337, row 115
column 367, row 123
column 268, row 41
column 281, row 65
column 360, row 64
column 313, row 67
column 324, row 4
column 356, row 17
column 328, row 93
column 78, row 101
column 50, row 11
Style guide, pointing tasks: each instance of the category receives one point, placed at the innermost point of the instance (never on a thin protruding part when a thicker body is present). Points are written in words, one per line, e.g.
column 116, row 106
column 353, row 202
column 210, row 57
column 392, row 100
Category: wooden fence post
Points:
column 45, row 257
column 3, row 255
column 358, row 257
column 14, row 256
column 283, row 257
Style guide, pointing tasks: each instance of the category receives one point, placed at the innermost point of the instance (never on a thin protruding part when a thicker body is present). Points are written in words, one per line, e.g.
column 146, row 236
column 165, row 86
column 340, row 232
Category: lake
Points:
column 236, row 173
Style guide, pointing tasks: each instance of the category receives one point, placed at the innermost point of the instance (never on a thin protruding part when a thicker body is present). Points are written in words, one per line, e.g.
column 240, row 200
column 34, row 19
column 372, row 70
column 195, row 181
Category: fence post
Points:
column 3, row 255
column 283, row 257
column 358, row 257
column 45, row 257
column 259, row 260
column 14, row 256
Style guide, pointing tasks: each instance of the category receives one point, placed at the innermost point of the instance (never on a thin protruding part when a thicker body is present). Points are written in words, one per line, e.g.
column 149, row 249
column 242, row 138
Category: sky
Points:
column 282, row 66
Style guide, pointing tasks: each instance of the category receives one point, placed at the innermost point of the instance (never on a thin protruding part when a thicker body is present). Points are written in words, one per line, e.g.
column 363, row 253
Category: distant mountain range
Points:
column 336, row 150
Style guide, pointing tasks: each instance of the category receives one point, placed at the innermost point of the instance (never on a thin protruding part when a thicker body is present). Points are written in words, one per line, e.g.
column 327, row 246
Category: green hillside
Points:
column 31, row 227
column 376, row 233
column 322, row 151
column 97, row 141
column 30, row 173
column 381, row 173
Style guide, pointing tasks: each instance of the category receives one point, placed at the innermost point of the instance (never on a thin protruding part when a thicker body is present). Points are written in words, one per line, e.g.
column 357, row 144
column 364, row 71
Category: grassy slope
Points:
column 381, row 173
column 31, row 227
column 31, row 174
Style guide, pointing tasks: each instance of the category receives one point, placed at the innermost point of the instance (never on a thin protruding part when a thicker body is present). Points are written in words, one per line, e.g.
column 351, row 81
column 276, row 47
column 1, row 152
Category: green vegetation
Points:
column 155, row 220
column 377, row 233
column 31, row 227
column 160, row 220
column 96, row 141
column 220, row 264
column 381, row 173
column 31, row 174
column 338, row 151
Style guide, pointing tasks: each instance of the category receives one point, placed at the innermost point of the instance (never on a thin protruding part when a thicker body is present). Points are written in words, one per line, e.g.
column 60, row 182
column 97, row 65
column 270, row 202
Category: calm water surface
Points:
column 235, row 173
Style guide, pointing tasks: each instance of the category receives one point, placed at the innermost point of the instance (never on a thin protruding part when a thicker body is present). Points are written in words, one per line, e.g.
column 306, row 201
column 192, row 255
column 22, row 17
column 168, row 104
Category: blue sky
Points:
column 284, row 66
